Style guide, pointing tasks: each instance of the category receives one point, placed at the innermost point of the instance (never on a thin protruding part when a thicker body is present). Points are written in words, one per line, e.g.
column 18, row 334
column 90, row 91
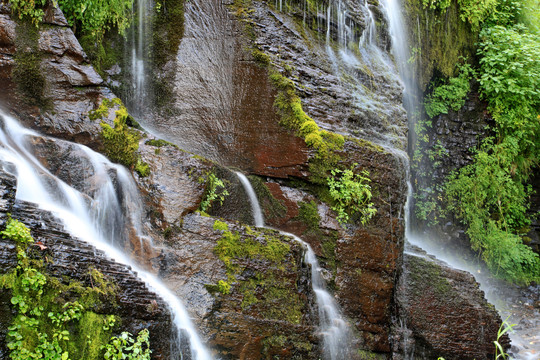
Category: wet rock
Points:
column 7, row 35
column 175, row 184
column 71, row 84
column 54, row 16
column 258, row 317
column 429, row 293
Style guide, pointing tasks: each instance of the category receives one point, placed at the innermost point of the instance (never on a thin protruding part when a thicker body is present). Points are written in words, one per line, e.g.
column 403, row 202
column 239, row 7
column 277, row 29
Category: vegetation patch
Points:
column 54, row 319
column 27, row 72
column 121, row 142
column 214, row 190
column 268, row 293
column 352, row 194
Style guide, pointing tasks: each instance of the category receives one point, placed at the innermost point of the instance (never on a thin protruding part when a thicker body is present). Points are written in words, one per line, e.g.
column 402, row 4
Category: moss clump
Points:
column 121, row 142
column 261, row 57
column 159, row 143
column 103, row 52
column 220, row 225
column 309, row 214
column 27, row 73
column 327, row 144
column 270, row 293
column 272, row 207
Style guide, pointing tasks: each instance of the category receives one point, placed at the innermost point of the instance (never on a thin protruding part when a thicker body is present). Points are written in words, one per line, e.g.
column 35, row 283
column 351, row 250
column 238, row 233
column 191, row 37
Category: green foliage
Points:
column 476, row 11
column 503, row 329
column 451, row 95
column 125, row 347
column 436, row 4
column 220, row 225
column 352, row 194
column 121, row 142
column 493, row 202
column 29, row 9
column 510, row 80
column 95, row 17
column 215, row 190
column 18, row 232
column 49, row 326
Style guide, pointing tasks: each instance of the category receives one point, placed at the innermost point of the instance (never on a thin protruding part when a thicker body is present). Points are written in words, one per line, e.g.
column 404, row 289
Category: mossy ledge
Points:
column 257, row 262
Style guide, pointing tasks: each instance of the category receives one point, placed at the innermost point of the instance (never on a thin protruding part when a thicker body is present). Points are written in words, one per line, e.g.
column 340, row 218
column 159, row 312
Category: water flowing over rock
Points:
column 73, row 258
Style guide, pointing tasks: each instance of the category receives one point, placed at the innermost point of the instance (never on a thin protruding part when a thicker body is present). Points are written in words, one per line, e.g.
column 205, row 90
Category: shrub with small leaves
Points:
column 352, row 194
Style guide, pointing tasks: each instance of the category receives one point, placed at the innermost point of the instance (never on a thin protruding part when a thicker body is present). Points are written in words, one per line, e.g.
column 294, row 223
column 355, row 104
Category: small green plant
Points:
column 352, row 194
column 126, row 347
column 29, row 9
column 451, row 95
column 215, row 190
column 503, row 329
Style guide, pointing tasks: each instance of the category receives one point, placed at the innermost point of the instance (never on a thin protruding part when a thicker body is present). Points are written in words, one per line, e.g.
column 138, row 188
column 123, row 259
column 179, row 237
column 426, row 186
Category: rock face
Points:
column 222, row 105
column 268, row 310
column 444, row 312
column 71, row 258
column 71, row 87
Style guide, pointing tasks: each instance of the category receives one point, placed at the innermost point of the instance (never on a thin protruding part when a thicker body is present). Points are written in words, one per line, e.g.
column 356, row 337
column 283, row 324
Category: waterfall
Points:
column 139, row 48
column 98, row 220
column 333, row 327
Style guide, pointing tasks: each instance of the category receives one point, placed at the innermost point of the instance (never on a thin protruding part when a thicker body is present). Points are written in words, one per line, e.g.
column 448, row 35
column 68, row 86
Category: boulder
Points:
column 443, row 312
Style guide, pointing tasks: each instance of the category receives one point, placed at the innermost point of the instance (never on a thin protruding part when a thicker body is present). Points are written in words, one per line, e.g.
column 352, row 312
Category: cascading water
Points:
column 98, row 220
column 139, row 55
column 333, row 327
column 411, row 98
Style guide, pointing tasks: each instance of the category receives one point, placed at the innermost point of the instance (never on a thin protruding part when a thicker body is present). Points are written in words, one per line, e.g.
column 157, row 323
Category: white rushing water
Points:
column 98, row 221
column 334, row 329
column 139, row 54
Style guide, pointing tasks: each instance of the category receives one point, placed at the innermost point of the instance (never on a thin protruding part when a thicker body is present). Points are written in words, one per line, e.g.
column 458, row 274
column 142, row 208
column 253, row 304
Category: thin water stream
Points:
column 99, row 221
column 334, row 329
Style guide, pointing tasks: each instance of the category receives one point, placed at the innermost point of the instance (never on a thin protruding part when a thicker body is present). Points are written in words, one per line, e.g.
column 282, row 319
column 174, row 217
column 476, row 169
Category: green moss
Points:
column 272, row 207
column 438, row 53
column 27, row 73
column 103, row 52
column 93, row 331
column 269, row 293
column 369, row 355
column 159, row 143
column 261, row 57
column 309, row 214
column 121, row 142
column 220, row 225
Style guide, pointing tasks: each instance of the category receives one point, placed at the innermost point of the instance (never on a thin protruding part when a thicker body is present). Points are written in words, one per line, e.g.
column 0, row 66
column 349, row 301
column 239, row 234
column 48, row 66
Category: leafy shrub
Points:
column 215, row 190
column 451, row 95
column 125, row 347
column 352, row 194
column 29, row 9
column 96, row 17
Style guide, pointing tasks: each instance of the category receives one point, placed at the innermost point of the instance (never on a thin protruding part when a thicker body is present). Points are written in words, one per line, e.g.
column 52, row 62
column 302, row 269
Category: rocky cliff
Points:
column 248, row 305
